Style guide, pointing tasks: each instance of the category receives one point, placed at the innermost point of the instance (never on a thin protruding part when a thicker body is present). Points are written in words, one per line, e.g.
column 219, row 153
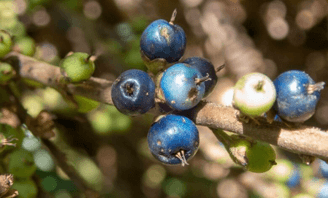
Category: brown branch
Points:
column 304, row 140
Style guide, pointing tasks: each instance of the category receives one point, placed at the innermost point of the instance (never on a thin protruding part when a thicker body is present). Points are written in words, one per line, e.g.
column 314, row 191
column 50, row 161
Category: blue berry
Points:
column 173, row 139
column 182, row 86
column 133, row 92
column 162, row 39
column 297, row 95
column 324, row 169
column 206, row 68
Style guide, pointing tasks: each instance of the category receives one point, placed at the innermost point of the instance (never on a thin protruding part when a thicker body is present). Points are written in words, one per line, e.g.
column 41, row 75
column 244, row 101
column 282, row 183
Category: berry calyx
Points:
column 206, row 68
column 78, row 66
column 4, row 142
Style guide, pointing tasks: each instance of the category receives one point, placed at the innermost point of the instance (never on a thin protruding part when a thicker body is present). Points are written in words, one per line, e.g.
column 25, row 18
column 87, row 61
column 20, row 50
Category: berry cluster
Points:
column 181, row 85
column 172, row 139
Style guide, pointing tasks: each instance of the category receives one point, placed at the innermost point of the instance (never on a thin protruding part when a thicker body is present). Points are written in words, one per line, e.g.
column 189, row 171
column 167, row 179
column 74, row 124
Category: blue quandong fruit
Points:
column 133, row 92
column 173, row 139
column 162, row 39
column 297, row 95
column 182, row 86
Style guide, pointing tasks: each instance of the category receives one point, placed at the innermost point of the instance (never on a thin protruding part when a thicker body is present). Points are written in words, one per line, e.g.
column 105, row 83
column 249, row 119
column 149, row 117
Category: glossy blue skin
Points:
column 179, row 88
column 141, row 99
column 324, row 169
column 295, row 178
column 171, row 134
column 163, row 40
column 205, row 67
column 323, row 193
column 293, row 103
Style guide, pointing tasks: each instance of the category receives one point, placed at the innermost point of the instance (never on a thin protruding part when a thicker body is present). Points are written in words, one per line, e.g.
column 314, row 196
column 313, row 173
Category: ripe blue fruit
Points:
column 173, row 139
column 323, row 168
column 162, row 39
column 297, row 95
column 133, row 92
column 182, row 86
column 206, row 68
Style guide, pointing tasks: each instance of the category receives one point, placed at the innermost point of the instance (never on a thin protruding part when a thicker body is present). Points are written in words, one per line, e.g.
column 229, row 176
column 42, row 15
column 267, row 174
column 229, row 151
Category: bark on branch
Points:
column 303, row 139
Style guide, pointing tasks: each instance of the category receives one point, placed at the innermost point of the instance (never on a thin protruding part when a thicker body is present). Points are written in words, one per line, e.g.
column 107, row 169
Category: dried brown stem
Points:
column 303, row 140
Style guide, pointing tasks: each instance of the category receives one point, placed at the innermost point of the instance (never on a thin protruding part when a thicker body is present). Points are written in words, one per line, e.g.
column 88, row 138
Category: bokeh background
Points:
column 109, row 150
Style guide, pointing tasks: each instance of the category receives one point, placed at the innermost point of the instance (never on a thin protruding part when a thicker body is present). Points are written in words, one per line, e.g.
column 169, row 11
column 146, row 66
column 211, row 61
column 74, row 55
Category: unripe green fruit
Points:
column 78, row 67
column 21, row 163
column 5, row 43
column 8, row 16
column 254, row 94
column 6, row 72
column 25, row 45
column 261, row 157
column 26, row 188
column 256, row 157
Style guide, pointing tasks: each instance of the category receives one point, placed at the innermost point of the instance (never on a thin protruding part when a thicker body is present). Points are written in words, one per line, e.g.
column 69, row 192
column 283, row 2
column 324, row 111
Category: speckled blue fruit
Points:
column 294, row 102
column 179, row 86
column 133, row 92
column 163, row 40
column 173, row 134
column 205, row 67
column 324, row 169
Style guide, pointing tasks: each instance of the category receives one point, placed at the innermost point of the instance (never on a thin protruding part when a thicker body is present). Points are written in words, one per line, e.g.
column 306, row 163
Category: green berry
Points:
column 5, row 43
column 78, row 66
column 254, row 94
column 25, row 45
column 8, row 16
column 261, row 157
column 254, row 156
column 26, row 188
column 21, row 163
column 6, row 72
